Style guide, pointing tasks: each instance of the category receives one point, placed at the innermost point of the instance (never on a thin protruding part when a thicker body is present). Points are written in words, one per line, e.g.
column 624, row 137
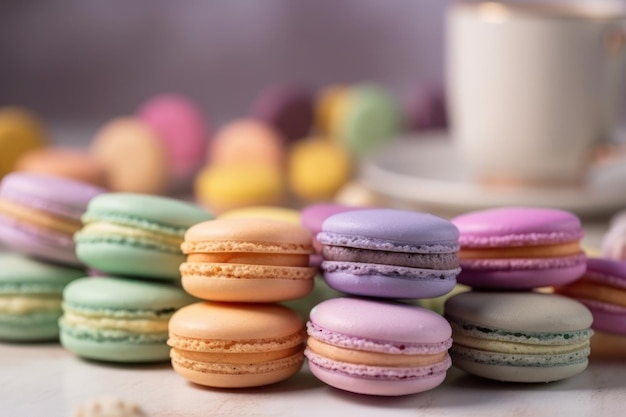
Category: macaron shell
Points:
column 515, row 226
column 134, row 156
column 384, row 387
column 116, row 351
column 20, row 269
column 38, row 330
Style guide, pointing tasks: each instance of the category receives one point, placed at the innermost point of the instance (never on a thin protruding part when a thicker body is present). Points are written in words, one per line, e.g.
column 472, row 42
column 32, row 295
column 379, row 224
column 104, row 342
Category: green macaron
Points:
column 30, row 297
column 136, row 235
column 119, row 320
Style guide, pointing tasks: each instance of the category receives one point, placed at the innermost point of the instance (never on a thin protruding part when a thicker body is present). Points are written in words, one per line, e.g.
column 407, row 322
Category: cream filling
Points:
column 74, row 319
column 240, row 357
column 19, row 304
column 373, row 358
column 516, row 348
column 102, row 229
column 39, row 218
column 540, row 251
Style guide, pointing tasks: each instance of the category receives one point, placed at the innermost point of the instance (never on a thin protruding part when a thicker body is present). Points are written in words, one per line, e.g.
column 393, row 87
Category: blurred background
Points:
column 85, row 61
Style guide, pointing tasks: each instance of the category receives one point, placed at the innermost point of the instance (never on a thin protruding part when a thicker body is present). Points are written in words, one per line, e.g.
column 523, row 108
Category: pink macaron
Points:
column 183, row 129
column 377, row 347
column 519, row 248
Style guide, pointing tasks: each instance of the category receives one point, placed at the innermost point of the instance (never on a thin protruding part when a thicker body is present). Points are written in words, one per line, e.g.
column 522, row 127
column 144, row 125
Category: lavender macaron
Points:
column 519, row 248
column 39, row 214
column 389, row 253
column 377, row 347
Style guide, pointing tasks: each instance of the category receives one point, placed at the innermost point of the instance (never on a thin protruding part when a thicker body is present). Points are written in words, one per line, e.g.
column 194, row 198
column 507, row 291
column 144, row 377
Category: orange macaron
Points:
column 236, row 345
column 247, row 260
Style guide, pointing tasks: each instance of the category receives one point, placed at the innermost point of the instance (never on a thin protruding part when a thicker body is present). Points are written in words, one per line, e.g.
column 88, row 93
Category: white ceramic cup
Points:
column 533, row 88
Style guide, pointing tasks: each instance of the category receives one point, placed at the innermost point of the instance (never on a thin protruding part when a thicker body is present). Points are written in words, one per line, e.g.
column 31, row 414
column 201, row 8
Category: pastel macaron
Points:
column 20, row 132
column 136, row 235
column 520, row 248
column 288, row 108
column 602, row 288
column 389, row 253
column 236, row 345
column 247, row 260
column 30, row 297
column 182, row 128
column 39, row 214
column 118, row 319
column 64, row 162
column 134, row 156
column 519, row 336
column 377, row 347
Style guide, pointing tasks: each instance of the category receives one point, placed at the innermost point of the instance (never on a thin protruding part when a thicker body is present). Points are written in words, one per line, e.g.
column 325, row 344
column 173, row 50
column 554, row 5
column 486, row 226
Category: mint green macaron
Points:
column 136, row 235
column 118, row 319
column 30, row 297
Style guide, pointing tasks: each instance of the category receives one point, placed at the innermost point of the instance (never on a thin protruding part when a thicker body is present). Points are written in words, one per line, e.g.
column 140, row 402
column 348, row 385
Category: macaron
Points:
column 305, row 178
column 248, row 140
column 30, row 297
column 602, row 288
column 426, row 108
column 119, row 320
column 20, row 132
column 519, row 336
column 182, row 128
column 64, row 162
column 288, row 108
column 263, row 212
column 136, row 235
column 236, row 345
column 389, row 253
column 247, row 260
column 39, row 214
column 328, row 104
column 134, row 156
column 223, row 187
column 368, row 118
column 377, row 347
column 519, row 248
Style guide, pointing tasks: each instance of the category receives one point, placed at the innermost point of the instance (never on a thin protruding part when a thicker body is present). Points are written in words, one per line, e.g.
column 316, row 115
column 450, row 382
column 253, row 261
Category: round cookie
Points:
column 389, row 253
column 39, row 214
column 306, row 180
column 247, row 260
column 377, row 347
column 136, row 234
column 119, row 320
column 519, row 248
column 30, row 297
column 602, row 289
column 518, row 336
column 286, row 107
column 183, row 130
column 134, row 156
column 71, row 163
column 236, row 345
column 20, row 132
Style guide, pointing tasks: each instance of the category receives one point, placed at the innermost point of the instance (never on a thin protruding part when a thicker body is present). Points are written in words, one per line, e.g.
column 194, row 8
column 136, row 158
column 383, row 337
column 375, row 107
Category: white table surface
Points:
column 46, row 380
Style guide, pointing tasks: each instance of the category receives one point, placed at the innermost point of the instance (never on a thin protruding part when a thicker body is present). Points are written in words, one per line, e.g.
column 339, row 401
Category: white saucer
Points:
column 426, row 173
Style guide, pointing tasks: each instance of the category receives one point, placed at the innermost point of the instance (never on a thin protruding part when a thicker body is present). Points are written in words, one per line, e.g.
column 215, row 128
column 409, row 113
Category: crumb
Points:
column 108, row 407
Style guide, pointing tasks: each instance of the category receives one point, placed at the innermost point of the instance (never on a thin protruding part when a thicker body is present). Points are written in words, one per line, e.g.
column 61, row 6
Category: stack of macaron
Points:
column 156, row 150
column 239, row 336
column 38, row 217
column 504, row 328
column 131, row 243
column 371, row 342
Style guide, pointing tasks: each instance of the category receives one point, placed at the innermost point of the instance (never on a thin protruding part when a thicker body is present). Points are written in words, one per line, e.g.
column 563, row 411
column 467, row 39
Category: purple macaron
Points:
column 603, row 290
column 519, row 248
column 39, row 214
column 389, row 253
column 377, row 347
column 286, row 107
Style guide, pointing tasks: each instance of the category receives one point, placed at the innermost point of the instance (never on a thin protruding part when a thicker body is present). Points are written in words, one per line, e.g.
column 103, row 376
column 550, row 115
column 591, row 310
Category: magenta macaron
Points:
column 602, row 289
column 39, row 214
column 519, row 248
column 389, row 253
column 377, row 347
